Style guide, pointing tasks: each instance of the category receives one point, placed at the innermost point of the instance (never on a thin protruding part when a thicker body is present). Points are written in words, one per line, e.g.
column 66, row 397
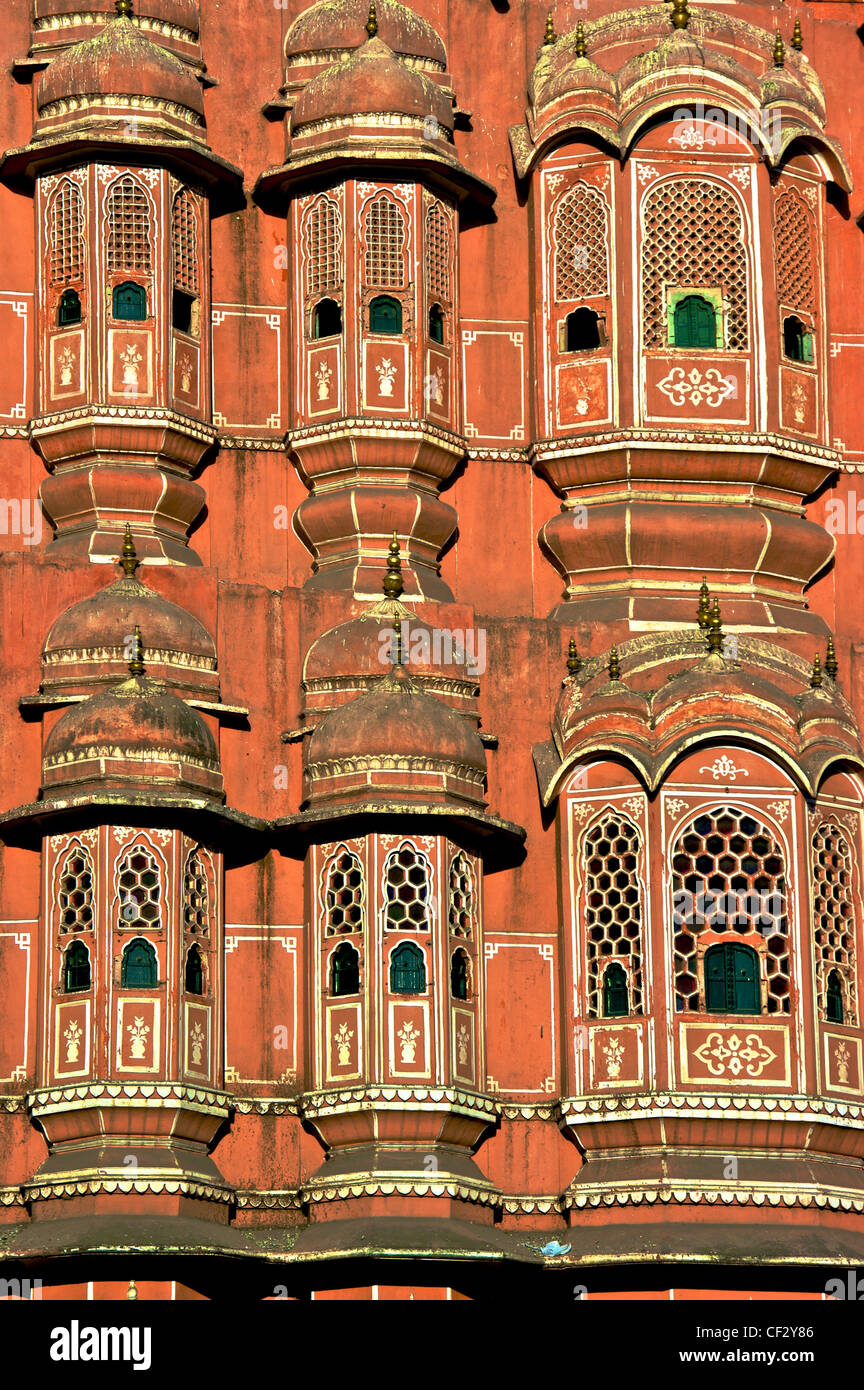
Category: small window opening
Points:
column 69, row 308
column 459, row 975
column 194, row 971
column 184, row 312
column 732, row 979
column 582, row 331
column 130, row 301
column 76, row 968
column 345, row 971
column 616, row 1000
column 797, row 340
column 407, row 970
column 834, row 998
column 385, row 315
column 327, row 319
column 694, row 323
column 436, row 323
column 138, row 968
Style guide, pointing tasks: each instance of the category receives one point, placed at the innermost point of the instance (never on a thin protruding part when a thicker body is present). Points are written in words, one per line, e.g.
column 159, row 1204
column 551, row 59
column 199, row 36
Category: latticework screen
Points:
column 580, row 233
column 438, row 254
column 323, row 242
column 693, row 237
column 385, row 241
column 129, row 227
column 344, row 894
column 184, row 244
column 834, row 914
column 613, row 909
column 793, row 252
column 66, row 249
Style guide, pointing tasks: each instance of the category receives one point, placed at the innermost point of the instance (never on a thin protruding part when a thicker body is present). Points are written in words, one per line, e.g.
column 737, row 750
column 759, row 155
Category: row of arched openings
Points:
column 139, row 968
column 407, row 971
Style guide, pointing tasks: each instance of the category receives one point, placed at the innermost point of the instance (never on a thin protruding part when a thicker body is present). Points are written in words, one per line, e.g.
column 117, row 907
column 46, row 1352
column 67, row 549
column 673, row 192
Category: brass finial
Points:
column 580, row 48
column 779, row 50
column 574, row 660
column 797, row 37
column 124, row 7
column 614, row 665
column 831, row 666
column 715, row 629
column 703, row 616
column 550, row 36
column 129, row 555
column 816, row 674
column 393, row 585
column 136, row 665
column 132, row 1291
column 680, row 14
column 372, row 21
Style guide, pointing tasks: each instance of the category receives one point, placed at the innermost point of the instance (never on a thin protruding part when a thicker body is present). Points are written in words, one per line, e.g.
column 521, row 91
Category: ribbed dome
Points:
column 372, row 81
column 120, row 61
column 337, row 25
column 182, row 13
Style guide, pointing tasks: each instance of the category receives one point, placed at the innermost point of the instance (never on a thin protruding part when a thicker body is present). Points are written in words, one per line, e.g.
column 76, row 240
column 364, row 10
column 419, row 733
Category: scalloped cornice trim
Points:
column 47, row 1100
column 315, row 1103
column 597, row 1109
column 690, row 1194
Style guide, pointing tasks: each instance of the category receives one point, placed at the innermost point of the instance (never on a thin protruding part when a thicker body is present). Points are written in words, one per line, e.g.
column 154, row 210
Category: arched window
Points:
column 834, row 921
column 196, row 896
column 407, row 969
column 385, row 315
column 343, row 895
column 185, row 259
column 580, row 238
column 66, row 249
column 76, row 892
column 797, row 340
column 384, row 228
column 693, row 236
column 345, row 971
column 461, row 906
column 582, row 331
column 406, row 883
column 129, row 301
column 76, row 968
column 138, row 969
column 69, row 308
column 129, row 228
column 459, row 974
column 732, row 979
column 438, row 256
column 728, row 875
column 793, row 252
column 326, row 319
column 140, row 890
column 613, row 908
column 436, row 323
column 194, row 980
column 834, row 1011
column 323, row 244
column 694, row 323
column 616, row 999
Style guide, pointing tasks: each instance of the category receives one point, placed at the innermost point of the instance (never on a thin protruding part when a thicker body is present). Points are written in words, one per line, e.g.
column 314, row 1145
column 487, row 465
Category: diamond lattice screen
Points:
column 385, row 240
column 128, row 227
column 184, row 244
column 66, row 236
column 323, row 247
column 793, row 253
column 580, row 234
column 437, row 254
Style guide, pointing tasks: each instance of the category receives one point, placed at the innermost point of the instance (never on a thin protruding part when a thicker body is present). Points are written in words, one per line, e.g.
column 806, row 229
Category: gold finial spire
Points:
column 580, row 48
column 136, row 665
column 831, row 666
column 614, row 665
column 393, row 585
column 123, row 7
column 779, row 50
column 132, row 1291
column 703, row 616
column 797, row 37
column 680, row 14
column 816, row 674
column 550, row 36
column 372, row 21
column 129, row 555
column 574, row 660
column 715, row 629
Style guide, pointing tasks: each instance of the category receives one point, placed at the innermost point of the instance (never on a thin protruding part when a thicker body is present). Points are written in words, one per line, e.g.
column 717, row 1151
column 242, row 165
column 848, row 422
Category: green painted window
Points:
column 732, row 979
column 138, row 968
column 327, row 319
column 459, row 975
column 385, row 315
column 407, row 970
column 76, row 968
column 834, row 998
column 69, row 308
column 345, row 972
column 797, row 340
column 616, row 1003
column 129, row 301
column 694, row 323
column 436, row 323
column 194, row 972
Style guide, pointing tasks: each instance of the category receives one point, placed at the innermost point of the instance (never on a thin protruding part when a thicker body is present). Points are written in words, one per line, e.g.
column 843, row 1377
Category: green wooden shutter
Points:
column 695, row 323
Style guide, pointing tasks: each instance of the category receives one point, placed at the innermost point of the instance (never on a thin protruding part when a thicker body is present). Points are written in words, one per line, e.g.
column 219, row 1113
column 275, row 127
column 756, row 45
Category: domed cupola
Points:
column 332, row 29
column 60, row 24
column 135, row 736
column 87, row 647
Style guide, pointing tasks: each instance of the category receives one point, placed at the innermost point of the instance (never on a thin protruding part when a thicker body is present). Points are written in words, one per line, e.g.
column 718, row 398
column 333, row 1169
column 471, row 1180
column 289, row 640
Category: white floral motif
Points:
column 723, row 769
column 462, row 1041
column 130, row 359
column 692, row 138
column 634, row 805
column 741, row 176
column 780, row 809
column 138, row 1039
column 673, row 806
column 614, row 1054
column 841, row 1057
column 67, row 362
column 644, row 172
column 72, row 1034
column 343, row 1044
column 322, row 377
column 184, row 366
column 408, row 1036
column 197, row 1040
column 386, row 376
column 692, row 388
column 733, row 1055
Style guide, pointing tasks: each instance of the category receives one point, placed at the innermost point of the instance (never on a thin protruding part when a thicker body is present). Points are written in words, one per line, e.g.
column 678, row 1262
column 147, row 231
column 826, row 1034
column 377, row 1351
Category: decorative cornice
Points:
column 666, row 1105
column 249, row 442
column 69, row 21
column 255, row 1199
column 784, row 445
column 48, row 1100
column 371, row 427
column 405, row 1185
column 321, row 1103
column 51, row 1189
column 100, row 413
column 265, row 1105
column 69, row 105
column 711, row 1194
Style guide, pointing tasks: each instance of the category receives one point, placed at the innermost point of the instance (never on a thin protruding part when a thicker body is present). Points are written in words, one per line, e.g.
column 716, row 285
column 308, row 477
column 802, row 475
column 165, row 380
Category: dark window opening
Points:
column 183, row 311
column 139, row 968
column 459, row 975
column 616, row 1001
column 327, row 319
column 732, row 979
column 797, row 340
column 76, row 968
column 407, row 970
column 834, row 998
column 69, row 308
column 385, row 315
column 130, row 302
column 436, row 323
column 582, row 331
column 694, row 323
column 194, row 971
column 345, row 973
